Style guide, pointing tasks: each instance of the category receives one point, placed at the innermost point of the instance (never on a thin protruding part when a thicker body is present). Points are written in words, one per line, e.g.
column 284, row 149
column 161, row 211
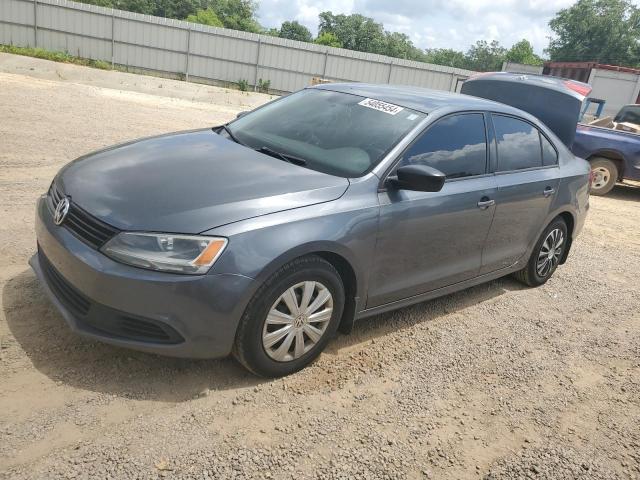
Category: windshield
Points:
column 336, row 133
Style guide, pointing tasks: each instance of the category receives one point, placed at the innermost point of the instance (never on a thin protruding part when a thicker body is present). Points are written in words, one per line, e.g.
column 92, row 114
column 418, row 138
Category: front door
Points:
column 429, row 240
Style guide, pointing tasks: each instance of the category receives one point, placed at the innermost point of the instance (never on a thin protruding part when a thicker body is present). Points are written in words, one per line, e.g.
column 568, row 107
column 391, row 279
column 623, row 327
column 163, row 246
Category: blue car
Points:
column 265, row 236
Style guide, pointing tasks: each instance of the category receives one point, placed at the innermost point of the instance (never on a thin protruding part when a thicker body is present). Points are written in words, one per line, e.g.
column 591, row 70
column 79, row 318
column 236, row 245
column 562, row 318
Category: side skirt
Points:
column 423, row 297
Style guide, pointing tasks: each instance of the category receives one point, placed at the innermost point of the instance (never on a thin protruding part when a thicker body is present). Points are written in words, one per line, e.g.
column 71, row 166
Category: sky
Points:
column 433, row 23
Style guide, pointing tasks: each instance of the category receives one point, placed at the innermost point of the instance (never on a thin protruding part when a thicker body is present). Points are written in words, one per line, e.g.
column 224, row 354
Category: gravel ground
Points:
column 498, row 381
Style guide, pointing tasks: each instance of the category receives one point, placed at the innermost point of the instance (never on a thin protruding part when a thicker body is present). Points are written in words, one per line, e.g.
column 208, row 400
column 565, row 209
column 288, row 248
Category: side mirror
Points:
column 419, row 178
column 241, row 114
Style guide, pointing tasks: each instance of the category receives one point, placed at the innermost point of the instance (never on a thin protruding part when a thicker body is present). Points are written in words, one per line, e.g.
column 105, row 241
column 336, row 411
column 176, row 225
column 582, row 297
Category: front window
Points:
column 336, row 133
column 456, row 145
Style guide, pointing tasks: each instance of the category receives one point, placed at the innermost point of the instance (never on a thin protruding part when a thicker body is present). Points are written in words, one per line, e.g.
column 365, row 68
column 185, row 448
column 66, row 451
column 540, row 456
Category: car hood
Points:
column 189, row 182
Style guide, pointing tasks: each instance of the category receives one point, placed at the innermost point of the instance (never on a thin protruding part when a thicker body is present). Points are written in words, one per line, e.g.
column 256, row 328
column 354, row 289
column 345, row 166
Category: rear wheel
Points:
column 546, row 255
column 291, row 318
column 605, row 175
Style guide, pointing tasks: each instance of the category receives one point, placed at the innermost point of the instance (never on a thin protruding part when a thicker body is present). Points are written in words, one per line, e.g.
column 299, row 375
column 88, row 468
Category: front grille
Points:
column 83, row 225
column 66, row 293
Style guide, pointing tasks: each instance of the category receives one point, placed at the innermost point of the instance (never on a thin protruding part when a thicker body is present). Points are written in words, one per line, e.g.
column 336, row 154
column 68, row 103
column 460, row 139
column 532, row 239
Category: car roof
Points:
column 423, row 100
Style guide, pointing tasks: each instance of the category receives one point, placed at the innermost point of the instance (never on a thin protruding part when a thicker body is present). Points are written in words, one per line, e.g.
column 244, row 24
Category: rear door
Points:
column 527, row 177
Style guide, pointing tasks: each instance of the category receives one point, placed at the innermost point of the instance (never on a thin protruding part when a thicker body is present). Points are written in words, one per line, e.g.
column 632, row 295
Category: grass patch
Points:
column 62, row 57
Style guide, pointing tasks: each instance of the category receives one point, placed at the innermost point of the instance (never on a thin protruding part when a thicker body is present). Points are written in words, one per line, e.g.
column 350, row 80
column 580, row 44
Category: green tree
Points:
column 295, row 31
column 355, row 32
column 205, row 17
column 167, row 8
column 522, row 52
column 446, row 56
column 486, row 57
column 400, row 46
column 328, row 39
column 236, row 14
column 605, row 31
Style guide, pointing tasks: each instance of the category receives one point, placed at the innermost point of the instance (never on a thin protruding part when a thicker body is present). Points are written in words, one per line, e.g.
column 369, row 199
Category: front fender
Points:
column 258, row 247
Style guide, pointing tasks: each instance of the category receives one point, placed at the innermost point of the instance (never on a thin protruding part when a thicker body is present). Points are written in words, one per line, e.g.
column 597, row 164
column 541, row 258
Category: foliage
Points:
column 205, row 17
column 62, row 57
column 486, row 57
column 161, row 8
column 354, row 32
column 400, row 46
column 272, row 32
column 237, row 14
column 522, row 52
column 264, row 85
column 604, row 31
column 357, row 32
column 243, row 85
column 295, row 31
column 328, row 39
column 446, row 56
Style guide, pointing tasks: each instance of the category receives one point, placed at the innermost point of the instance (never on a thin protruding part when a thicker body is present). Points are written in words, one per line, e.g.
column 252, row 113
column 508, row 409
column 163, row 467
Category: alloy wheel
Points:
column 297, row 321
column 550, row 252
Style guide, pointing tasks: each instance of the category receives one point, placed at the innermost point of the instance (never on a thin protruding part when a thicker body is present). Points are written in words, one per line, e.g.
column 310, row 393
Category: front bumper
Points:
column 193, row 316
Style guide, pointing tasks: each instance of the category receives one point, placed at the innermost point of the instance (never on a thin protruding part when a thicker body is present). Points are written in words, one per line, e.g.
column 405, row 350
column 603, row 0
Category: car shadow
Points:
column 371, row 328
column 625, row 191
column 82, row 363
column 70, row 359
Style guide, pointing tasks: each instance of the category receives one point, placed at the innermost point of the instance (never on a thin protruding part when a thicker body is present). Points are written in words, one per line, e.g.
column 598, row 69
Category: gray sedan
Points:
column 265, row 236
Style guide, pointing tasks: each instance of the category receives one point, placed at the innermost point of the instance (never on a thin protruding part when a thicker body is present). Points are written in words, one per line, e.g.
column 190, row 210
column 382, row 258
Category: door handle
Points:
column 485, row 203
column 549, row 191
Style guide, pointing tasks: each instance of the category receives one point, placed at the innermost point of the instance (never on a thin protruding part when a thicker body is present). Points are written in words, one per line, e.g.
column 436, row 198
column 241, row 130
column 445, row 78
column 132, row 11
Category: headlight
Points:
column 191, row 254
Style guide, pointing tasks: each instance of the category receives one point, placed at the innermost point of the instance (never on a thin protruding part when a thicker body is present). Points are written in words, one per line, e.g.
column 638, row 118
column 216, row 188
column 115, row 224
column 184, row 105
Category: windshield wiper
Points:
column 282, row 156
column 230, row 133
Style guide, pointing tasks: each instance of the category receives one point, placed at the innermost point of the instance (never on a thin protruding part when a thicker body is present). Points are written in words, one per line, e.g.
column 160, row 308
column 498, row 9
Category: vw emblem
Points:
column 61, row 211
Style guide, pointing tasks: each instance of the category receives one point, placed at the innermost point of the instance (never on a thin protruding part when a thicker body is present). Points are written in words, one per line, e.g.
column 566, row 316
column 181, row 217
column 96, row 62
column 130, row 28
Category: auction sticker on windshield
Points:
column 381, row 106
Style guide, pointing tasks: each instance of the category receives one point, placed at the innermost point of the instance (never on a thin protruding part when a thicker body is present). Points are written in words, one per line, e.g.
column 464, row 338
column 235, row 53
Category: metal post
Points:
column 35, row 23
column 390, row 68
column 255, row 80
column 113, row 36
column 324, row 69
column 186, row 69
column 453, row 84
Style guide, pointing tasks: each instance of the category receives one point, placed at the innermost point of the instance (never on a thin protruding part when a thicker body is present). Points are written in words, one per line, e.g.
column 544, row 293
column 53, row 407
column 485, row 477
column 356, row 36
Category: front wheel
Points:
column 605, row 176
column 546, row 255
column 291, row 318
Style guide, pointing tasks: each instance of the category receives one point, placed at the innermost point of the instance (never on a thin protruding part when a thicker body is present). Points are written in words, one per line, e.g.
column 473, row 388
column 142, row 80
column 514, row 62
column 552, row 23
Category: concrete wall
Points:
column 202, row 53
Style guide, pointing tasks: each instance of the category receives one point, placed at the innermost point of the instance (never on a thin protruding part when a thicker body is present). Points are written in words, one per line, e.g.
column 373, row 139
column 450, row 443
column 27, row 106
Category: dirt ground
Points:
column 498, row 381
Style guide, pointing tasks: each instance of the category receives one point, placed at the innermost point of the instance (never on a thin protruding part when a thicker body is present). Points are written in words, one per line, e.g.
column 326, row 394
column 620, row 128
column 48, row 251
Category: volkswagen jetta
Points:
column 266, row 235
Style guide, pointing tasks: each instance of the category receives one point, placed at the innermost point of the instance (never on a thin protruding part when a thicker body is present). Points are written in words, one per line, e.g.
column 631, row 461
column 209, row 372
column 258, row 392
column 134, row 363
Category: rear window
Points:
column 629, row 115
column 518, row 144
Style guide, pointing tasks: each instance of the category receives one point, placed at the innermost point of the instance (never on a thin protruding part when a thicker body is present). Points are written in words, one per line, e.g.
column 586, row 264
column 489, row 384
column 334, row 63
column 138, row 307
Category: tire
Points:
column 605, row 174
column 532, row 275
column 269, row 323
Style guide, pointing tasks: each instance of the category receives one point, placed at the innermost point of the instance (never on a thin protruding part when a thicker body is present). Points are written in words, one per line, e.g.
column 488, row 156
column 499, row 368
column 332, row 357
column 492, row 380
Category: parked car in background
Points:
column 612, row 147
column 264, row 236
